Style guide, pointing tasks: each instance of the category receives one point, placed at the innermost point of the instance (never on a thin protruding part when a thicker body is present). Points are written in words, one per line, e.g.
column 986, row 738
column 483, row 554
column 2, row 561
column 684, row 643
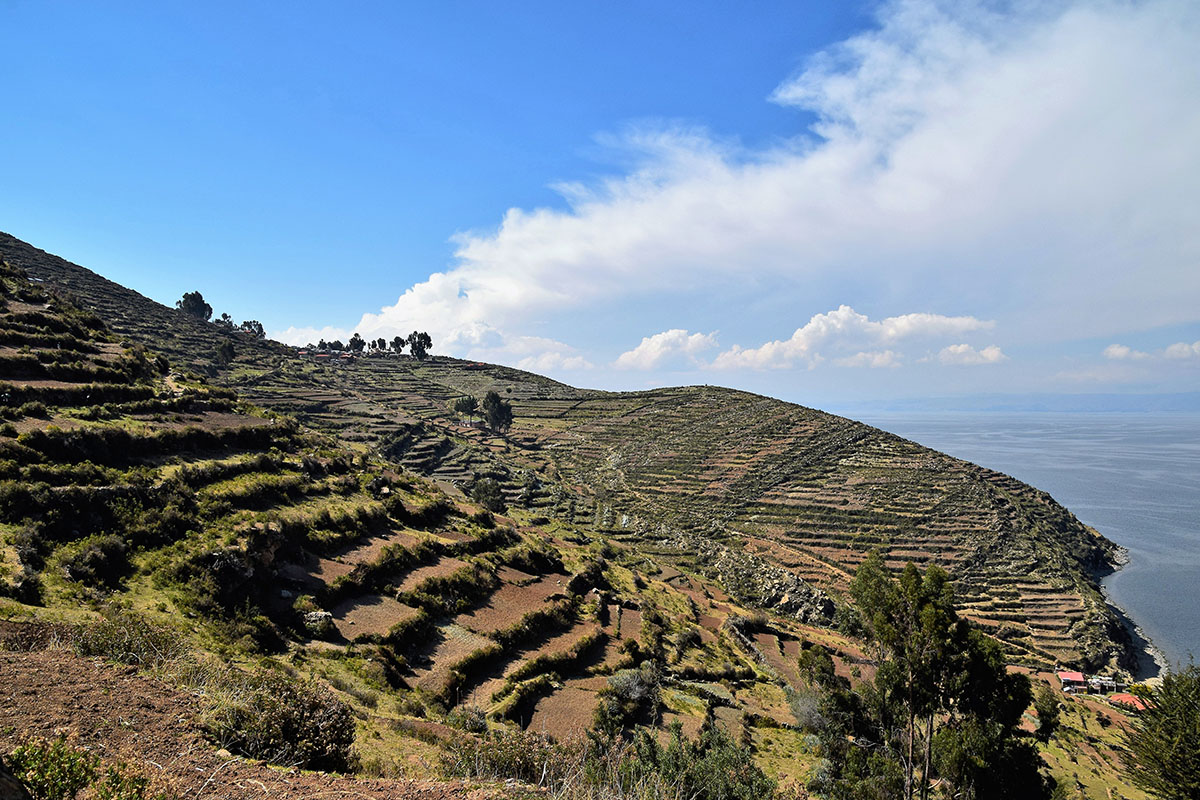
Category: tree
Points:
column 223, row 355
column 336, row 344
column 322, row 345
column 398, row 343
column 381, row 343
column 488, row 493
column 1046, row 706
column 225, row 321
column 497, row 412
column 419, row 344
column 1164, row 745
column 254, row 328
column 942, row 706
column 466, row 405
column 357, row 343
column 192, row 304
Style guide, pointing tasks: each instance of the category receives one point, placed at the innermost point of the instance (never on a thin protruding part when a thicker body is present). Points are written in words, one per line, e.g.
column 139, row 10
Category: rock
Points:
column 319, row 623
column 10, row 787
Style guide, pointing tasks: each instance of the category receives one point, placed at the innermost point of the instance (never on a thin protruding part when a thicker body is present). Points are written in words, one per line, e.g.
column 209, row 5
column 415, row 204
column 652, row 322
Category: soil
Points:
column 123, row 715
column 510, row 603
column 369, row 615
column 568, row 712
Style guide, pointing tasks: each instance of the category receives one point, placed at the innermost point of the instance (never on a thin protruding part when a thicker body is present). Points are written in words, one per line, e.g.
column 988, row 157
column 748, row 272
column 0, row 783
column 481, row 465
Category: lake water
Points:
column 1133, row 477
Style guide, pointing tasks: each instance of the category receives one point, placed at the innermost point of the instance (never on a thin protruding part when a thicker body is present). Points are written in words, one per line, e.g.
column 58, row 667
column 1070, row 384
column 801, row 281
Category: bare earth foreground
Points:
column 123, row 715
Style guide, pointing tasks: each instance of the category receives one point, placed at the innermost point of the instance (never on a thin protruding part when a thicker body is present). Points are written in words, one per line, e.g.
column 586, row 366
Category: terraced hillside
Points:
column 135, row 487
column 769, row 499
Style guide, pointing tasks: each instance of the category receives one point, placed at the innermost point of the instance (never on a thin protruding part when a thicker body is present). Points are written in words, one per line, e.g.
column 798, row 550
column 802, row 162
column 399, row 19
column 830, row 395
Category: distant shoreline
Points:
column 1151, row 661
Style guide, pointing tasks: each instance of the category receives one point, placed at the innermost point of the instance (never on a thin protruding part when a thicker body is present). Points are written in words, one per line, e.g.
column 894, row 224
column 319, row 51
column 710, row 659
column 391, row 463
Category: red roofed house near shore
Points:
column 1072, row 681
column 1127, row 699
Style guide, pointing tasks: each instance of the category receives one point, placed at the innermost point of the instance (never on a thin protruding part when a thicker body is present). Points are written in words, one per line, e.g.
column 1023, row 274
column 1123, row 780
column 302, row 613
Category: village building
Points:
column 1129, row 701
column 1072, row 681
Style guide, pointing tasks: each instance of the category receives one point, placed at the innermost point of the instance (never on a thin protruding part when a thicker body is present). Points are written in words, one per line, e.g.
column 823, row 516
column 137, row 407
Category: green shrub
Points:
column 714, row 767
column 99, row 561
column 471, row 719
column 632, row 697
column 58, row 771
column 53, row 770
column 33, row 409
column 284, row 721
column 489, row 494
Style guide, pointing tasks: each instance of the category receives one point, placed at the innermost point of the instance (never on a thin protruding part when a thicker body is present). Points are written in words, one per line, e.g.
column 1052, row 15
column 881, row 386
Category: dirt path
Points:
column 123, row 715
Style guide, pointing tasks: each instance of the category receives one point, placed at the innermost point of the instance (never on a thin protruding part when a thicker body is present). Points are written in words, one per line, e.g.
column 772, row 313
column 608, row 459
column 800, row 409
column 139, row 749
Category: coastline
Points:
column 1151, row 661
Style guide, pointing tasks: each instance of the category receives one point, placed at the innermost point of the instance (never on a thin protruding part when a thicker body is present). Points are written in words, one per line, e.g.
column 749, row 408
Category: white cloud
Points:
column 1183, row 350
column 965, row 354
column 668, row 347
column 1036, row 164
column 553, row 362
column 1120, row 352
column 844, row 328
column 873, row 359
column 1177, row 351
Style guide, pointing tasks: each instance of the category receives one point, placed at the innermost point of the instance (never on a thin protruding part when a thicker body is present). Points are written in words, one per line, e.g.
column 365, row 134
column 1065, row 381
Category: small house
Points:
column 1072, row 681
column 1131, row 701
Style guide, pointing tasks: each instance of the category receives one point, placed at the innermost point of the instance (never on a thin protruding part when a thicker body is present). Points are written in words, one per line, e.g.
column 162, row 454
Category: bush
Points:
column 471, row 719
column 99, row 561
column 278, row 719
column 632, row 697
column 127, row 638
column 33, row 409
column 57, row 771
column 53, row 770
column 711, row 768
column 487, row 493
column 517, row 755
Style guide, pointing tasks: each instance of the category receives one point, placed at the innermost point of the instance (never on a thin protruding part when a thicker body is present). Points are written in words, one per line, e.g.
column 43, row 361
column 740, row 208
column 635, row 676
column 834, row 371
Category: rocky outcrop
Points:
column 757, row 582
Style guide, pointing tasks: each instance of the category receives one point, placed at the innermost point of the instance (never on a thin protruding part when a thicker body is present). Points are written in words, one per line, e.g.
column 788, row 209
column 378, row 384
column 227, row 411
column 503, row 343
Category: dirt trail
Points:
column 121, row 714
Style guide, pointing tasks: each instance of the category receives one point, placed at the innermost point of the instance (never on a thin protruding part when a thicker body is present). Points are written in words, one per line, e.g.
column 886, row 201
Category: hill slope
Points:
column 751, row 490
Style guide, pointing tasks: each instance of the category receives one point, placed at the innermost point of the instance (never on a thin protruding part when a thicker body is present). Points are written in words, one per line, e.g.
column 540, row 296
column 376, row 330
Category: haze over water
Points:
column 1133, row 477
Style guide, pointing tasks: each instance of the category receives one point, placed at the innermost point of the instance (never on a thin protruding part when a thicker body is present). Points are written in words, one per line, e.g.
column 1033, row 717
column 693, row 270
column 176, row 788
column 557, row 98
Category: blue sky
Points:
column 826, row 202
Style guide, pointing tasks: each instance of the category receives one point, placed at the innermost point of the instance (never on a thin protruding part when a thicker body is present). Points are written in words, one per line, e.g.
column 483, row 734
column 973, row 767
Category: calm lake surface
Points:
column 1133, row 477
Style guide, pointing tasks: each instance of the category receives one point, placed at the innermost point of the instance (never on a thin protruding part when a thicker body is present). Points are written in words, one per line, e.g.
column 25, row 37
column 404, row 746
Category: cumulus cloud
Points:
column 1183, row 350
column 1042, row 155
column 844, row 328
column 1120, row 352
column 965, row 354
column 1177, row 351
column 668, row 347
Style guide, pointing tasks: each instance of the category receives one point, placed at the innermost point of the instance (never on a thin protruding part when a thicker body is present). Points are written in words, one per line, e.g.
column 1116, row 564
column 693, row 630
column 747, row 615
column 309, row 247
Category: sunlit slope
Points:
column 126, row 483
column 675, row 470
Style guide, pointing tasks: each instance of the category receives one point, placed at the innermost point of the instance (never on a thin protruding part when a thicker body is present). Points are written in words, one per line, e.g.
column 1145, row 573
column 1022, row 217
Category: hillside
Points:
column 280, row 514
column 138, row 499
column 707, row 476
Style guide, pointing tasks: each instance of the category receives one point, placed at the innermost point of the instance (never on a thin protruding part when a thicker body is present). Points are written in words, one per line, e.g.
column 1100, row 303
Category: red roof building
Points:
column 1072, row 681
column 1127, row 699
